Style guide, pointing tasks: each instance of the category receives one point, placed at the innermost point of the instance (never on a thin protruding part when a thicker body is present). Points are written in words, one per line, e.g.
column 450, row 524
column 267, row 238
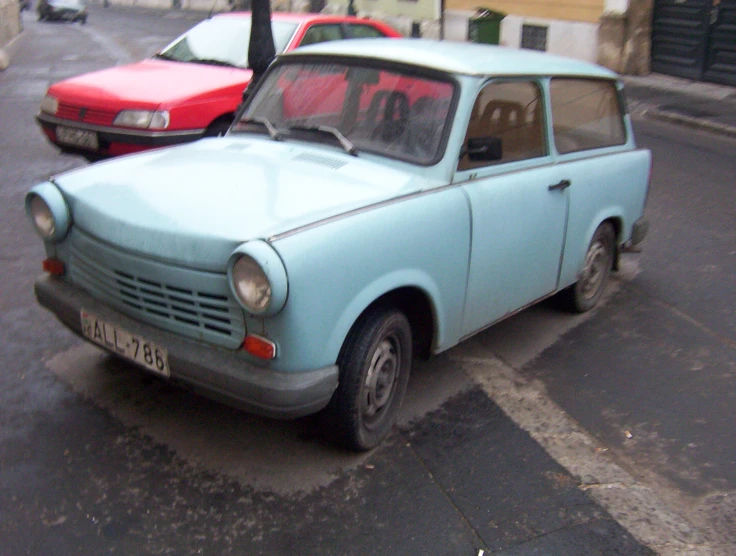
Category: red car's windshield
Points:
column 223, row 41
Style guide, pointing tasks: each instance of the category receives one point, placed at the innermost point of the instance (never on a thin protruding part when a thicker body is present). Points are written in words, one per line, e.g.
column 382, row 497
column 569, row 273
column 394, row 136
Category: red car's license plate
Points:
column 77, row 137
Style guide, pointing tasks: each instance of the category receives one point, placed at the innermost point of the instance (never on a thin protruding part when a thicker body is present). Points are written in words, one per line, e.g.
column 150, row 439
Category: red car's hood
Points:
column 150, row 84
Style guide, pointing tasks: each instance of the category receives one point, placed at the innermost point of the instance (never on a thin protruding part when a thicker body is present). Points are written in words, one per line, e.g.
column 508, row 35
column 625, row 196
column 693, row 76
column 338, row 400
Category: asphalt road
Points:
column 548, row 434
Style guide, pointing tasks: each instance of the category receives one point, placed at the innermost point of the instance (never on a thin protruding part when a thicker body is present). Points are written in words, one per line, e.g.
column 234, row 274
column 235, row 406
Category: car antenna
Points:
column 212, row 9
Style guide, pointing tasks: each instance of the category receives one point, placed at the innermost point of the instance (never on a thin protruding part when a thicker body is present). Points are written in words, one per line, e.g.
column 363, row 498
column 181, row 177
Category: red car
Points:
column 191, row 89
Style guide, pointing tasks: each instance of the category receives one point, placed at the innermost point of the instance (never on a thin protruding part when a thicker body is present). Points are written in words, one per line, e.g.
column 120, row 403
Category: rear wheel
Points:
column 374, row 370
column 586, row 292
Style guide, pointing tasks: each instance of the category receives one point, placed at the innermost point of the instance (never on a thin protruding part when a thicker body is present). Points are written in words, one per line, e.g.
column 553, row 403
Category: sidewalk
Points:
column 702, row 105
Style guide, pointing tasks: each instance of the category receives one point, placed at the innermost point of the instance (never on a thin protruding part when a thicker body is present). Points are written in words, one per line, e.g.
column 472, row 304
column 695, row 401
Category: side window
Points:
column 361, row 31
column 321, row 33
column 511, row 112
column 586, row 114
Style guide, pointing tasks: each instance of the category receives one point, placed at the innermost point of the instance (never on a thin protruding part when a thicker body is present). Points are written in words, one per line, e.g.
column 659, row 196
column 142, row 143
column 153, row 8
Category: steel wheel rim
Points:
column 596, row 263
column 380, row 380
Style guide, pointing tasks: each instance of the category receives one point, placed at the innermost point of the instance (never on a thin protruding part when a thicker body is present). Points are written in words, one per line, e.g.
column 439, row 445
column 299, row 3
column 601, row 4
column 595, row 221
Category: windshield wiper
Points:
column 345, row 143
column 212, row 62
column 274, row 133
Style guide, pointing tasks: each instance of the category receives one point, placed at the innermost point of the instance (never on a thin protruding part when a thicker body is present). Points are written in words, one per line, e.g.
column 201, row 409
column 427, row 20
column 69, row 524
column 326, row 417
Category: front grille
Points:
column 192, row 303
column 86, row 115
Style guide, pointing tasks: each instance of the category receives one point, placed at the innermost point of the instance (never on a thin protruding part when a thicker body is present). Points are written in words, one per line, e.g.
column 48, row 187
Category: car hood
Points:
column 192, row 205
column 149, row 84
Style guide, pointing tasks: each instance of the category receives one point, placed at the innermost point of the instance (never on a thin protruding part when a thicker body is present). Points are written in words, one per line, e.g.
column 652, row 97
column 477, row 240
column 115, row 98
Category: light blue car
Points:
column 375, row 200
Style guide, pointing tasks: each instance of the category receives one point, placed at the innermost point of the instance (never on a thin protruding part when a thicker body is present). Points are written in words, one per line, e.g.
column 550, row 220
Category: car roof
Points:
column 458, row 57
column 299, row 17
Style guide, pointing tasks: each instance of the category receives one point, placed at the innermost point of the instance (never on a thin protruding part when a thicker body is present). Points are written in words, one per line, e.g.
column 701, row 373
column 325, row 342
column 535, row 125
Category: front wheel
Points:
column 374, row 370
column 587, row 291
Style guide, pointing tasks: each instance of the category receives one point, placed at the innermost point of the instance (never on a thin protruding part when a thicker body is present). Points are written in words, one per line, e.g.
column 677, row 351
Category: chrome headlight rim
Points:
column 143, row 119
column 46, row 198
column 259, row 258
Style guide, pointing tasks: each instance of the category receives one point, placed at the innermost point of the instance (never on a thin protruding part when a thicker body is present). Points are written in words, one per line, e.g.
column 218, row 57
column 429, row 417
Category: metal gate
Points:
column 720, row 62
column 695, row 39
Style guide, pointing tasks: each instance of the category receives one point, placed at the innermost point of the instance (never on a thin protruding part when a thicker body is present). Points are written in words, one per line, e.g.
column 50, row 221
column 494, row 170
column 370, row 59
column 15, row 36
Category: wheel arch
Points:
column 220, row 120
column 618, row 229
column 418, row 309
column 419, row 302
column 613, row 216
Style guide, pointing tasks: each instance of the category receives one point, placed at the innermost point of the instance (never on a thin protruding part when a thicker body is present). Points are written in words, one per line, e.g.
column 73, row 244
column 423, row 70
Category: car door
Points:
column 518, row 200
column 596, row 152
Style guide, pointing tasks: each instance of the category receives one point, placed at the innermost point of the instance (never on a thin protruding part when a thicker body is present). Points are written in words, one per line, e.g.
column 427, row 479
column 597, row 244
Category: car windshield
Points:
column 66, row 4
column 223, row 41
column 396, row 112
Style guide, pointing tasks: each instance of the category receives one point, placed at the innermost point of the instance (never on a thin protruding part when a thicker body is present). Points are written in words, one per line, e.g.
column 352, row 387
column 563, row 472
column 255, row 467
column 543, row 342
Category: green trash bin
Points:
column 485, row 26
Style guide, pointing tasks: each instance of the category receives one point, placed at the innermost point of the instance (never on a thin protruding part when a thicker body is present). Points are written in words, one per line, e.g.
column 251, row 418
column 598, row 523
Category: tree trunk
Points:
column 261, row 50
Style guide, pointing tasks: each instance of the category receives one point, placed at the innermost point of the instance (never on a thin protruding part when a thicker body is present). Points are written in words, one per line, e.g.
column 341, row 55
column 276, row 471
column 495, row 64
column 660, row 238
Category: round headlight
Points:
column 42, row 217
column 48, row 211
column 251, row 284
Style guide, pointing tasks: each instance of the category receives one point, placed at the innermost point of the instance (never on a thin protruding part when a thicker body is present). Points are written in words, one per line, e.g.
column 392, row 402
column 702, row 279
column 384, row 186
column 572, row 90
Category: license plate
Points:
column 137, row 349
column 77, row 137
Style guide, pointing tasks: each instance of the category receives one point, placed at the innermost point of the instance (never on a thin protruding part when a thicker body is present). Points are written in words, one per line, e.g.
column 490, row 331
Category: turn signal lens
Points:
column 260, row 347
column 54, row 267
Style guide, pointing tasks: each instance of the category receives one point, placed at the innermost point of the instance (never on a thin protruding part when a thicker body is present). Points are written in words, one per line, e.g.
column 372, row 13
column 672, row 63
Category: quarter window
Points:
column 360, row 31
column 511, row 111
column 322, row 33
column 586, row 114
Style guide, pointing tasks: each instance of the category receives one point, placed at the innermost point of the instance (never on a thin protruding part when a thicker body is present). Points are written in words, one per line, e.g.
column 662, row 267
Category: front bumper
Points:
column 114, row 140
column 224, row 375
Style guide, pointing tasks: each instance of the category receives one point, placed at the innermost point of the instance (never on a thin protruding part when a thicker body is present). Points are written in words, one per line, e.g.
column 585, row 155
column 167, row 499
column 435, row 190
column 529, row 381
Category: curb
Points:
column 689, row 121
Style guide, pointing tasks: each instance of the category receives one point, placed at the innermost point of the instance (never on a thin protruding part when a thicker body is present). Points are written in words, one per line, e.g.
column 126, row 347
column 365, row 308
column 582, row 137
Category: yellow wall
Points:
column 569, row 10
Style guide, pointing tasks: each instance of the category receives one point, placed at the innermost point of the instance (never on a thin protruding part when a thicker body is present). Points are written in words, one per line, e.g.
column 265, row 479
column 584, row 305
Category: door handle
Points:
column 564, row 184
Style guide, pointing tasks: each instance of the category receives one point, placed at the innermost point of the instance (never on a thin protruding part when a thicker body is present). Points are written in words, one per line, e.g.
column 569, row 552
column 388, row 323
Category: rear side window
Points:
column 361, row 31
column 586, row 114
column 322, row 33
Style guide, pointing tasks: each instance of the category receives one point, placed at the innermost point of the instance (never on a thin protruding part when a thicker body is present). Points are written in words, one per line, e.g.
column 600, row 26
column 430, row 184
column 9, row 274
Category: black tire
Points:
column 218, row 128
column 374, row 363
column 584, row 294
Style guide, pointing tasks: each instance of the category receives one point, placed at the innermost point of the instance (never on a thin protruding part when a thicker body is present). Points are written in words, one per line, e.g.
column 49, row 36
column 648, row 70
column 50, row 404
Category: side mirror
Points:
column 489, row 148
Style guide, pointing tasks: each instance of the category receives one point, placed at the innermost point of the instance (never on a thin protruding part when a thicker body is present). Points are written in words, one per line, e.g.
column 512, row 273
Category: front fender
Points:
column 337, row 269
column 402, row 278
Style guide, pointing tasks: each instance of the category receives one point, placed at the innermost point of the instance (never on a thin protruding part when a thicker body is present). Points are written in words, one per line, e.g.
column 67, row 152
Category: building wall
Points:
column 566, row 10
column 9, row 21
